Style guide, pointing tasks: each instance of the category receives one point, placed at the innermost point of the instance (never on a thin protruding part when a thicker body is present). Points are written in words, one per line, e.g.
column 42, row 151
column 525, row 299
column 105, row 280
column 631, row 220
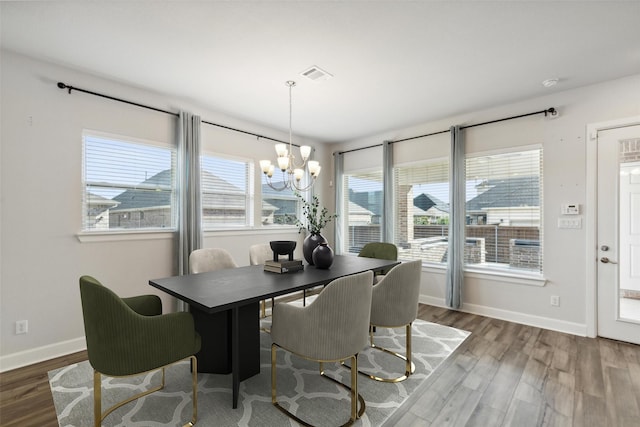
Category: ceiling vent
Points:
column 316, row 74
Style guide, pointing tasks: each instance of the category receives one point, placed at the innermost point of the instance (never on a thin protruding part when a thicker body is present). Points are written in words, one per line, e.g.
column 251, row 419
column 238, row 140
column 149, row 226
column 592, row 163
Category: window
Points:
column 128, row 184
column 362, row 209
column 278, row 207
column 227, row 192
column 422, row 210
column 503, row 211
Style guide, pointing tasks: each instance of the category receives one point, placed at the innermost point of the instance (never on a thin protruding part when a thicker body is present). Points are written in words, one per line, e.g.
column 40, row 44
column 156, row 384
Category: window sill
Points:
column 113, row 236
column 498, row 276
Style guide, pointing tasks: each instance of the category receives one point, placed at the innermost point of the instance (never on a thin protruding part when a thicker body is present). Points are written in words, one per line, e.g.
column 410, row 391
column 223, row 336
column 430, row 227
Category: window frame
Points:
column 249, row 195
column 298, row 204
column 499, row 270
column 345, row 210
column 396, row 203
column 93, row 234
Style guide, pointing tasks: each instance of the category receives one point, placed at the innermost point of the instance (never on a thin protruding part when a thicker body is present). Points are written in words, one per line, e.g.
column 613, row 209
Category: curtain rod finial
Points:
column 64, row 86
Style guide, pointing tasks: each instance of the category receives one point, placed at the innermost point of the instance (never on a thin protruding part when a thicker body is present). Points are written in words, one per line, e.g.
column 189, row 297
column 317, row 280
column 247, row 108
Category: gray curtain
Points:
column 457, row 185
column 189, row 202
column 338, row 168
column 387, row 192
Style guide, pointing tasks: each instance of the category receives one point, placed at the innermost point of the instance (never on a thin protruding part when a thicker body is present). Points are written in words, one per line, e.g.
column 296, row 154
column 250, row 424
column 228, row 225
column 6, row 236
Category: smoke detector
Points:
column 316, row 74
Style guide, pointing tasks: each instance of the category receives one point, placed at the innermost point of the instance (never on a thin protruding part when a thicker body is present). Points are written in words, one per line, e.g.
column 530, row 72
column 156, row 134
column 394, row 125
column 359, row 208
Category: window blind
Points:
column 362, row 209
column 128, row 184
column 504, row 211
column 278, row 207
column 227, row 192
column 422, row 210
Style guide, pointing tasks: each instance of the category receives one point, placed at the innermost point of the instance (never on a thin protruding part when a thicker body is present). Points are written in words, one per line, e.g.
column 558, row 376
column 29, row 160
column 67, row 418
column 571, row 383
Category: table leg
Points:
column 235, row 355
column 230, row 343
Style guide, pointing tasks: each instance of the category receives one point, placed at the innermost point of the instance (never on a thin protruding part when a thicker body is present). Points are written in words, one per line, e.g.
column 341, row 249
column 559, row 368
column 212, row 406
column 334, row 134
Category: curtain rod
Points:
column 546, row 112
column 70, row 88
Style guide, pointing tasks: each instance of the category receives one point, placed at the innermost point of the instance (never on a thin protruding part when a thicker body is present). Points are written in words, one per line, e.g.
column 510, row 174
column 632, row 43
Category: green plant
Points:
column 316, row 218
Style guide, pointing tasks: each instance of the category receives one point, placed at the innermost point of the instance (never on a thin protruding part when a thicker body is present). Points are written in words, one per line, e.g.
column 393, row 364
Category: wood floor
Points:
column 505, row 374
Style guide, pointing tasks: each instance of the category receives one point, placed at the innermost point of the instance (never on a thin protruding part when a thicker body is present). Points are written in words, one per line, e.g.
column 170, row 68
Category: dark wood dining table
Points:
column 225, row 307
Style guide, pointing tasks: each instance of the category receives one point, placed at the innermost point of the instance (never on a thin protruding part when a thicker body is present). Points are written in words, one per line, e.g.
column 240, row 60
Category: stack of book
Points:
column 283, row 266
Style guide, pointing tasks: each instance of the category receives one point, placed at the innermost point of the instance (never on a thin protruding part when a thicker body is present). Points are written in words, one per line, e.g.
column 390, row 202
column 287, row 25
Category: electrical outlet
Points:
column 22, row 327
column 555, row 300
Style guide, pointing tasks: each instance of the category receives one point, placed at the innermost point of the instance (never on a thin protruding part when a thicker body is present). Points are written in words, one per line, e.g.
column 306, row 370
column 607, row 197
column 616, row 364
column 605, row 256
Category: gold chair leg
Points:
column 410, row 367
column 194, row 392
column 353, row 391
column 273, row 374
column 99, row 416
column 97, row 398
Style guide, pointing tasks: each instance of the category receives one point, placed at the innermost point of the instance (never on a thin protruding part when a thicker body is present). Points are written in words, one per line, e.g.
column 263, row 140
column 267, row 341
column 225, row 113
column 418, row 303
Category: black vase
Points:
column 310, row 243
column 322, row 256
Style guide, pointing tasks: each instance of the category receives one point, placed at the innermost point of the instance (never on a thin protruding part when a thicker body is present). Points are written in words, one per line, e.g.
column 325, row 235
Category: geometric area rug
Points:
column 299, row 387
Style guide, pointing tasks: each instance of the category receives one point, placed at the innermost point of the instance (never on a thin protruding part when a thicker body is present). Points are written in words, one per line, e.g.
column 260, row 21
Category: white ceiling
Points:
column 396, row 63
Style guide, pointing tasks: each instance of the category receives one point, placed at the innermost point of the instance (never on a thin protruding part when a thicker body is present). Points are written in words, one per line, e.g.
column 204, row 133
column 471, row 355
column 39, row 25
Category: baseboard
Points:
column 40, row 354
column 512, row 316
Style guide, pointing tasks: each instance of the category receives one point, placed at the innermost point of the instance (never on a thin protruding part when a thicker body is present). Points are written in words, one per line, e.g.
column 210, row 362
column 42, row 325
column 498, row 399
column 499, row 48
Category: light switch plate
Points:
column 570, row 223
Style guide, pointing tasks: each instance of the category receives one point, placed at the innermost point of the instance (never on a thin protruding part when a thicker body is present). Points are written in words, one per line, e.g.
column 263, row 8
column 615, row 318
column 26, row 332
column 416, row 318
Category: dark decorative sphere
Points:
column 322, row 256
column 309, row 244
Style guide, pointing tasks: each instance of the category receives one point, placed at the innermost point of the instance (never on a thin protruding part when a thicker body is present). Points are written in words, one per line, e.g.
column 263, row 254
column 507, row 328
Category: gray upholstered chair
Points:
column 131, row 336
column 210, row 259
column 333, row 328
column 395, row 304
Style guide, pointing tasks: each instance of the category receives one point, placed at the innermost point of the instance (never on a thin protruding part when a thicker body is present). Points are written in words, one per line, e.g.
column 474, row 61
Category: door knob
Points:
column 606, row 260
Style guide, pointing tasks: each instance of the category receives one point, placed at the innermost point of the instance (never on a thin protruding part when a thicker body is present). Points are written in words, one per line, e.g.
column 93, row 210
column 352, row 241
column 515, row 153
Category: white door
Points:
column 618, row 234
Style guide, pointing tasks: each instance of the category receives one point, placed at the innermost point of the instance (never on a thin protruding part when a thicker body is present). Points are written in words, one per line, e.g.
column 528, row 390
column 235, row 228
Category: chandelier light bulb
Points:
column 281, row 150
column 283, row 163
column 314, row 167
column 305, row 151
column 264, row 165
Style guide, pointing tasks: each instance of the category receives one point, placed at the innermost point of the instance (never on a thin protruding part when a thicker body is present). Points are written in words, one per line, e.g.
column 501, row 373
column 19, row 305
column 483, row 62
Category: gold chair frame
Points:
column 355, row 396
column 410, row 367
column 99, row 416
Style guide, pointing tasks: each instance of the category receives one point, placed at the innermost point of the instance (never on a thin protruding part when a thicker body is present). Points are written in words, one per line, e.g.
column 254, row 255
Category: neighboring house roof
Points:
column 139, row 198
column 356, row 209
column 97, row 204
column 426, row 201
column 508, row 192
column 278, row 201
column 433, row 211
column 217, row 193
column 370, row 200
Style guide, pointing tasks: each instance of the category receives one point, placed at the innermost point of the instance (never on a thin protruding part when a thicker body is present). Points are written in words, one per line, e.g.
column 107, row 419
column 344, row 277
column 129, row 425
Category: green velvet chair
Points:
column 380, row 250
column 131, row 336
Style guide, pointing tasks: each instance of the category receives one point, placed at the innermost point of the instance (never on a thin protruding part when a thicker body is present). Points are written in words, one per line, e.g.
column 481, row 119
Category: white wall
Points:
column 41, row 201
column 564, row 145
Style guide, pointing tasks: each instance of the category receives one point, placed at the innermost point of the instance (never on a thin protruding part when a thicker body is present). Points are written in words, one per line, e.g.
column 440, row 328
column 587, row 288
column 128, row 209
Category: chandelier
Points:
column 292, row 173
